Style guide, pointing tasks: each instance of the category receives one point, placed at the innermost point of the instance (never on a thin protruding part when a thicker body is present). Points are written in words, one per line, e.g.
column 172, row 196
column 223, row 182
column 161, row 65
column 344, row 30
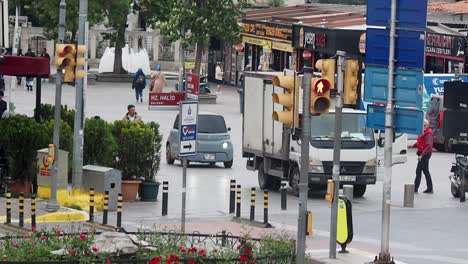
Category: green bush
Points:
column 99, row 143
column 138, row 149
column 21, row 137
column 47, row 112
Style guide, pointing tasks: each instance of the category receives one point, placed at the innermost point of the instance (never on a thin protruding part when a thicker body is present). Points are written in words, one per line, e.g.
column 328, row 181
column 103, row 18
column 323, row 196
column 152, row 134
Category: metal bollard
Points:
column 408, row 200
column 119, row 211
column 238, row 201
column 106, row 208
column 165, row 197
column 284, row 203
column 21, row 210
column 33, row 212
column 232, row 197
column 252, row 204
column 8, row 207
column 91, row 205
column 348, row 191
column 265, row 206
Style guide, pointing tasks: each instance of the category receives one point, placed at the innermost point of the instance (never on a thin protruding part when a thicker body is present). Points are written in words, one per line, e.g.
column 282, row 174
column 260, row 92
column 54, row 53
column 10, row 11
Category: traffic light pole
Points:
column 384, row 256
column 52, row 204
column 337, row 150
column 304, row 178
column 182, row 59
column 79, row 109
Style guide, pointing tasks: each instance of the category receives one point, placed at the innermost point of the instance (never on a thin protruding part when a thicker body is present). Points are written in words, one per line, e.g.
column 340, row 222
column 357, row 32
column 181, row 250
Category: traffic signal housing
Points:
column 65, row 59
column 320, row 96
column 289, row 99
column 351, row 82
column 80, row 61
column 327, row 67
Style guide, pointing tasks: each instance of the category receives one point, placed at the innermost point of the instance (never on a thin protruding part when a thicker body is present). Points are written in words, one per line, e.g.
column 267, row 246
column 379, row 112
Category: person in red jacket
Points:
column 424, row 145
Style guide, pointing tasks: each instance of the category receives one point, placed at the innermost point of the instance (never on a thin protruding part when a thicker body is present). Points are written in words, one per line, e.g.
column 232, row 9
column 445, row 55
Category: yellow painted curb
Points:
column 2, row 218
column 60, row 217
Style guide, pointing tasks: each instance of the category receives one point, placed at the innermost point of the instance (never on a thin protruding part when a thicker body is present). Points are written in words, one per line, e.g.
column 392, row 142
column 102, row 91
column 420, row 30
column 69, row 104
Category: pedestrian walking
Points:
column 139, row 84
column 132, row 115
column 29, row 80
column 158, row 80
column 19, row 78
column 45, row 55
column 424, row 145
column 3, row 104
column 219, row 78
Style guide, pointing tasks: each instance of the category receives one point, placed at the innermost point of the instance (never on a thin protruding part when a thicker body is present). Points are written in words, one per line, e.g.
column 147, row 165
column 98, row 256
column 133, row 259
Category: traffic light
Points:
column 327, row 67
column 80, row 62
column 289, row 99
column 320, row 96
column 351, row 82
column 65, row 59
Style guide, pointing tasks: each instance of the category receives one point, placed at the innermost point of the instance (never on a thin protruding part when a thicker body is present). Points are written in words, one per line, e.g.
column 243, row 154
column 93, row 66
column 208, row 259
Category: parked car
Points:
column 213, row 141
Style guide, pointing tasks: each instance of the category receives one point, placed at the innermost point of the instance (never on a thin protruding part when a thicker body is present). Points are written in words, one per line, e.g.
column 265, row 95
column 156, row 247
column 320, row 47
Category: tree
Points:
column 275, row 3
column 201, row 19
column 46, row 14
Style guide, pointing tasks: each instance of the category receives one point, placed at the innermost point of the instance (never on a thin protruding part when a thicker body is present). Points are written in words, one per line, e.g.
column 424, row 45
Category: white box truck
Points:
column 274, row 150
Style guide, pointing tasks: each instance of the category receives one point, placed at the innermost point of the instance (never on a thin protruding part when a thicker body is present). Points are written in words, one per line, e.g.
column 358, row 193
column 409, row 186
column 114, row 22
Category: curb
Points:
column 76, row 216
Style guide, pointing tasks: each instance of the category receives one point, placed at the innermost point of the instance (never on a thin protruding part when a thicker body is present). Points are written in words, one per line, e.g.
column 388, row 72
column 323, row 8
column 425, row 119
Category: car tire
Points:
column 455, row 190
column 169, row 159
column 359, row 190
column 228, row 164
column 211, row 164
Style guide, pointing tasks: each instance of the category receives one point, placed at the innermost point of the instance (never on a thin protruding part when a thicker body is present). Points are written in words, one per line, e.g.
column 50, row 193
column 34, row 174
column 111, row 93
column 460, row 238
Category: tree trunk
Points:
column 73, row 37
column 198, row 56
column 118, row 51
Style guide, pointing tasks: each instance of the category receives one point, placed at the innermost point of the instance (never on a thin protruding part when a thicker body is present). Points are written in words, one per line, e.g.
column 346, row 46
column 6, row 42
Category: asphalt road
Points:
column 434, row 231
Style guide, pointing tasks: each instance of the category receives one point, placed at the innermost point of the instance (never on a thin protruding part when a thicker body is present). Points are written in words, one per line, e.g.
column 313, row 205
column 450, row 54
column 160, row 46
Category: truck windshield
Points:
column 354, row 133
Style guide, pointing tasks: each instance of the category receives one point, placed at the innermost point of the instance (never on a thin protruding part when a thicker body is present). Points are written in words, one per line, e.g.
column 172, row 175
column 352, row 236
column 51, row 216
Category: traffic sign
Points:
column 410, row 14
column 409, row 121
column 188, row 119
column 408, row 90
column 409, row 51
column 193, row 86
column 165, row 100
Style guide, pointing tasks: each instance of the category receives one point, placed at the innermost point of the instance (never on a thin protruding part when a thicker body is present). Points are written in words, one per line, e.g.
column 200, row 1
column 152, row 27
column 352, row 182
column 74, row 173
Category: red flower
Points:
column 43, row 238
column 251, row 261
column 174, row 257
column 27, row 235
column 182, row 249
column 14, row 244
column 57, row 232
column 192, row 250
column 83, row 236
column 242, row 258
column 191, row 261
column 72, row 253
column 202, row 253
column 108, row 261
column 95, row 249
column 33, row 228
column 155, row 260
column 247, row 251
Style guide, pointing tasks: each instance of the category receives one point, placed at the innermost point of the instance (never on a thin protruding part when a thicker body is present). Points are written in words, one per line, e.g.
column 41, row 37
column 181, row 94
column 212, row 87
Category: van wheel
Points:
column 359, row 190
column 455, row 190
column 228, row 164
column 169, row 159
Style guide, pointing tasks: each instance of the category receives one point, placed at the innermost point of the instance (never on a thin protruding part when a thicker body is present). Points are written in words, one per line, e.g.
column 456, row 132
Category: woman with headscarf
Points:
column 159, row 80
column 139, row 83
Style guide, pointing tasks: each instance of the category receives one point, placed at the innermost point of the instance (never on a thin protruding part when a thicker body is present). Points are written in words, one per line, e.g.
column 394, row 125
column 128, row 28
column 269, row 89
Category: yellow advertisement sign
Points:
column 255, row 41
column 282, row 46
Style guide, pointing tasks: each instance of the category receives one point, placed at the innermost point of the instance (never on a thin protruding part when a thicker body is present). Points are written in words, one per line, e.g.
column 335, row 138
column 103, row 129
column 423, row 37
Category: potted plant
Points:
column 149, row 188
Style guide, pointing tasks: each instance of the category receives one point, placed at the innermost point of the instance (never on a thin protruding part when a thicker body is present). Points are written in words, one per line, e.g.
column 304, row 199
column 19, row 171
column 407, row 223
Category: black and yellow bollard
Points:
column 106, row 208
column 165, row 197
column 232, row 197
column 119, row 211
column 91, row 205
column 8, row 207
column 33, row 212
column 284, row 204
column 265, row 206
column 238, row 201
column 21, row 210
column 252, row 204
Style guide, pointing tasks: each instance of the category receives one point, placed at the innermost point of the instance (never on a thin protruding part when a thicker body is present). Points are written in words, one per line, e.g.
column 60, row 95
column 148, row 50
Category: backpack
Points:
column 140, row 79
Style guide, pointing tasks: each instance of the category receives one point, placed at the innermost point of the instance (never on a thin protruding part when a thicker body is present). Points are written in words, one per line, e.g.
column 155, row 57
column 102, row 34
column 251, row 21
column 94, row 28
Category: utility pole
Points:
column 181, row 56
column 304, row 169
column 337, row 150
column 384, row 256
column 77, row 179
column 52, row 204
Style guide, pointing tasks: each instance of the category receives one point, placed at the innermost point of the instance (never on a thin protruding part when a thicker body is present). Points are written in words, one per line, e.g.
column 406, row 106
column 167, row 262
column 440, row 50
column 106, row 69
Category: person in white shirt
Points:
column 219, row 78
column 132, row 115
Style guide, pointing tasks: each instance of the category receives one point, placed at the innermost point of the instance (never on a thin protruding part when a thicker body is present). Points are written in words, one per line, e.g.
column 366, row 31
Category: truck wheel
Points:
column 294, row 180
column 455, row 190
column 275, row 183
column 448, row 146
column 359, row 190
column 262, row 177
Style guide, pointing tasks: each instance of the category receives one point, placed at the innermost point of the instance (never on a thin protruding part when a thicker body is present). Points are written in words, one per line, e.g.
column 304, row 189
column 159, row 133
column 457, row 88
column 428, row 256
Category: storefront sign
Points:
column 282, row 46
column 165, row 99
column 445, row 45
column 255, row 41
column 268, row 30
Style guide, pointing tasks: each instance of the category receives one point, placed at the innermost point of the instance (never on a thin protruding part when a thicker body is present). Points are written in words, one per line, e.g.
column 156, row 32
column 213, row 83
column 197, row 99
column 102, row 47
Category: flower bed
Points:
column 153, row 248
